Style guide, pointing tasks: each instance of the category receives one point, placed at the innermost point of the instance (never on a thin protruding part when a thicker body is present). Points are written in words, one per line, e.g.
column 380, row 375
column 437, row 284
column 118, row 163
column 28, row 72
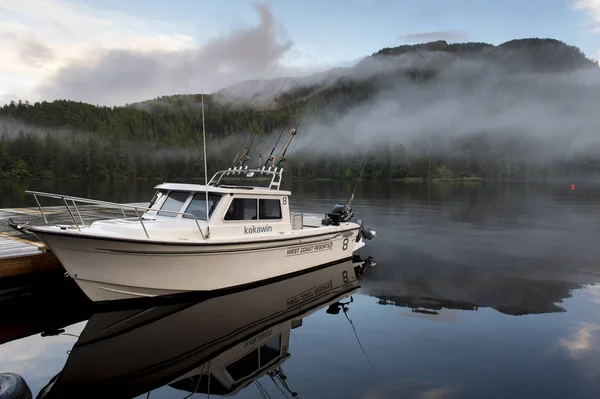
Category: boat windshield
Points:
column 160, row 194
column 174, row 201
column 197, row 206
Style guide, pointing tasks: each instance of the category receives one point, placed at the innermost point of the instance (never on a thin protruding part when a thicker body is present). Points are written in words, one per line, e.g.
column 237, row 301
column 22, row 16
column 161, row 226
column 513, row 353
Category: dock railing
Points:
column 139, row 210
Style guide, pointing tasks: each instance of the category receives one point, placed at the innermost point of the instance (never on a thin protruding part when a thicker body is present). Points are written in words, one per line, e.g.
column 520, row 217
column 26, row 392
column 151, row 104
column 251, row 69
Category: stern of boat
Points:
column 342, row 213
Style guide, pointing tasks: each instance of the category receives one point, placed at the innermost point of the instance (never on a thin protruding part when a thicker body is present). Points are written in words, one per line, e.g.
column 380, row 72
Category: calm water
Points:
column 481, row 290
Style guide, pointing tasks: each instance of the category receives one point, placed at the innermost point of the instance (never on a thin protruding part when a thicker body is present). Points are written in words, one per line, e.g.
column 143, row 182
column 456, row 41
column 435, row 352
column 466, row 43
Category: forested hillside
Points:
column 163, row 137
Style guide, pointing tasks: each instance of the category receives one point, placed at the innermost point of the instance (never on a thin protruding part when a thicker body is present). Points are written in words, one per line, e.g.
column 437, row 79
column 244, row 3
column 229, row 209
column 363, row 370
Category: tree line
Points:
column 163, row 137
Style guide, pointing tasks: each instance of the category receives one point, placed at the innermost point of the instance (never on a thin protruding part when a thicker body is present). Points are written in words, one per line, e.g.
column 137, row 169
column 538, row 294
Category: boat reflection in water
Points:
column 213, row 345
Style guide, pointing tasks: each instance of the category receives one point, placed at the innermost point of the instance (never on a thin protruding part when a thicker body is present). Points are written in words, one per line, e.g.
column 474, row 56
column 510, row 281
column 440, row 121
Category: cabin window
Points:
column 174, row 202
column 270, row 351
column 244, row 366
column 246, row 209
column 242, row 209
column 197, row 206
column 269, row 209
column 255, row 359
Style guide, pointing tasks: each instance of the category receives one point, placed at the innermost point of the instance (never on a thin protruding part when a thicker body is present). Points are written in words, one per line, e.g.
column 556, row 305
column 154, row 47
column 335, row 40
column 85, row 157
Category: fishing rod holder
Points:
column 275, row 173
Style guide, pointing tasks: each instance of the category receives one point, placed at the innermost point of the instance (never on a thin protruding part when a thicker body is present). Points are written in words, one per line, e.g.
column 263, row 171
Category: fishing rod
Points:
column 293, row 131
column 345, row 309
column 244, row 145
column 271, row 157
column 245, row 157
column 363, row 168
column 238, row 153
column 335, row 308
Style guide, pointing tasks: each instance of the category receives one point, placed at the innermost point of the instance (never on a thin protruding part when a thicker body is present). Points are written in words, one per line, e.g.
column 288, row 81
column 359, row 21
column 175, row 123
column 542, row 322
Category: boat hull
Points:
column 107, row 269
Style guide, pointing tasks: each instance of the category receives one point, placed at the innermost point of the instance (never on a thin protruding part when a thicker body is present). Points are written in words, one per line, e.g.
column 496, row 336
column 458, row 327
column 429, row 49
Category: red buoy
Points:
column 572, row 187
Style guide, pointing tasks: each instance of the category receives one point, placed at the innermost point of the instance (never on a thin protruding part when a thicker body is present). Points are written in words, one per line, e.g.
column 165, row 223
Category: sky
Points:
column 113, row 52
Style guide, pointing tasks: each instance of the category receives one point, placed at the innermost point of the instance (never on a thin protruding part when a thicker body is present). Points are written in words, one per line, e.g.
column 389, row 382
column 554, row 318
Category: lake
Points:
column 480, row 290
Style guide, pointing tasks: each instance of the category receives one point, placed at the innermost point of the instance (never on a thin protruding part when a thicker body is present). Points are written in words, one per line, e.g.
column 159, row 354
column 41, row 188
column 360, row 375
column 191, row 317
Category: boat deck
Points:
column 22, row 254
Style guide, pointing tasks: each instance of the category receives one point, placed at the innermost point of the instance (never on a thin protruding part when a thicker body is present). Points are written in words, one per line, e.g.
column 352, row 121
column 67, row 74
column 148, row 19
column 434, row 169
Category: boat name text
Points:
column 257, row 229
column 309, row 294
column 258, row 338
column 309, row 248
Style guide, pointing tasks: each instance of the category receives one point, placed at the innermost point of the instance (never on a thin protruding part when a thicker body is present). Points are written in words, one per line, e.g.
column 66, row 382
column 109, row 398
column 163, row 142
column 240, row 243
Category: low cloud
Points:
column 448, row 35
column 551, row 115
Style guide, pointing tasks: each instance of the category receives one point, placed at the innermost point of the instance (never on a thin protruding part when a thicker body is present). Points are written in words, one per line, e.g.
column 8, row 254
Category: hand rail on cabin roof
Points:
column 107, row 204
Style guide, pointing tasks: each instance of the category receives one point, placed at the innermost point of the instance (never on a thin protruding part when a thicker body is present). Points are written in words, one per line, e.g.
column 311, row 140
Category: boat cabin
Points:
column 236, row 368
column 231, row 210
column 178, row 211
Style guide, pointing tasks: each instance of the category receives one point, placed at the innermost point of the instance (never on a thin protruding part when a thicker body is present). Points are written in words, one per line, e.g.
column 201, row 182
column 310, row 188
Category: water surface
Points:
column 481, row 290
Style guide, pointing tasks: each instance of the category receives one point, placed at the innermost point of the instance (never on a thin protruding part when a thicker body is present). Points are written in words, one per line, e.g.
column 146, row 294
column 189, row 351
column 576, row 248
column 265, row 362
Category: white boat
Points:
column 209, row 237
column 231, row 340
column 250, row 237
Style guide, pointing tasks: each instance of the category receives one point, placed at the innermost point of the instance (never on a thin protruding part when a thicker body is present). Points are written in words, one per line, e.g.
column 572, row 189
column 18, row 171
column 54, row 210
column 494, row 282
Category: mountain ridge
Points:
column 419, row 61
column 519, row 109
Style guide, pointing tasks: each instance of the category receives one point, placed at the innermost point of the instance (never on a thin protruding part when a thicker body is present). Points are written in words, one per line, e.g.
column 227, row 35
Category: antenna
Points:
column 363, row 168
column 205, row 168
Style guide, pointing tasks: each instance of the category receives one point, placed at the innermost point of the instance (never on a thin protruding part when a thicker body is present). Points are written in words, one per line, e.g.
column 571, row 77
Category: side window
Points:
column 244, row 366
column 174, row 202
column 255, row 359
column 269, row 209
column 242, row 209
column 270, row 351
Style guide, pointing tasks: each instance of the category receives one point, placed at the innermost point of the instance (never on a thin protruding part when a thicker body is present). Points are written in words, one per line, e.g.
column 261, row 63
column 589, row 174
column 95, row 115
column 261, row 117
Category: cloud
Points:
column 37, row 359
column 582, row 347
column 592, row 8
column 40, row 37
column 449, row 35
column 546, row 116
column 113, row 59
column 594, row 292
column 408, row 388
column 581, row 341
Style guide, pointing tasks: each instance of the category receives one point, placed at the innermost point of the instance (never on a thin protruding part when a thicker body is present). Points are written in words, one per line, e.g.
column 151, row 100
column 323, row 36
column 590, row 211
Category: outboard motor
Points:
column 340, row 213
column 365, row 233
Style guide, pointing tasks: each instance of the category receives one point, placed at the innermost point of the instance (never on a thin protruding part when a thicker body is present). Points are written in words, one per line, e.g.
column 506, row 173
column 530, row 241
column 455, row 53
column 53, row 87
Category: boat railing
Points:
column 274, row 172
column 139, row 210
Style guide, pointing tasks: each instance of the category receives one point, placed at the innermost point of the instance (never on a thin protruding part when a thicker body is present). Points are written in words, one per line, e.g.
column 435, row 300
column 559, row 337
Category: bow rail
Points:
column 106, row 204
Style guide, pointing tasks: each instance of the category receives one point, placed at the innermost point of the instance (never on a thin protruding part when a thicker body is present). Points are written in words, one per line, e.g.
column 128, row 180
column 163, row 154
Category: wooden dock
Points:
column 23, row 254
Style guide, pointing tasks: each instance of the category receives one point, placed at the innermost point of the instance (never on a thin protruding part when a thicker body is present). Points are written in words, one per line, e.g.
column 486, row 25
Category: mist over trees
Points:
column 523, row 109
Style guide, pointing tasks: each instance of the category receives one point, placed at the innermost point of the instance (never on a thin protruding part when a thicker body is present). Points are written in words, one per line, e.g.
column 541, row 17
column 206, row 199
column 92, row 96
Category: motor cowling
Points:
column 341, row 213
